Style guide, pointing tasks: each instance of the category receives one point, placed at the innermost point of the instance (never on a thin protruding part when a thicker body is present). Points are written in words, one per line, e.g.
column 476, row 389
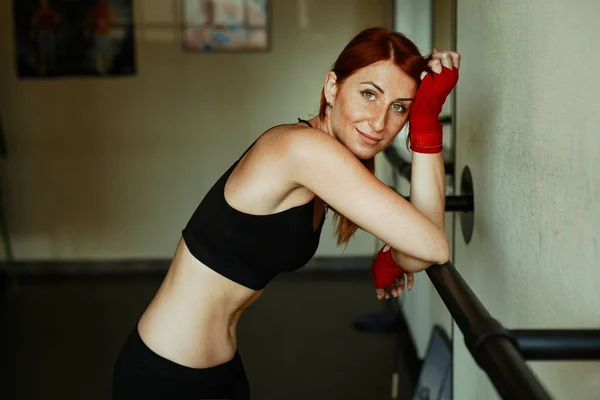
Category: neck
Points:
column 324, row 125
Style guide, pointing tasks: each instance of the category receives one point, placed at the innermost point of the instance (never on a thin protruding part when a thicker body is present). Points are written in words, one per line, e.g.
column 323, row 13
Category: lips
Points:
column 368, row 138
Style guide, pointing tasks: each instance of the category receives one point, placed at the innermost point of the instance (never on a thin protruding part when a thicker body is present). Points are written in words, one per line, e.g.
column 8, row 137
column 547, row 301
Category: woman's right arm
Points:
column 428, row 195
column 315, row 160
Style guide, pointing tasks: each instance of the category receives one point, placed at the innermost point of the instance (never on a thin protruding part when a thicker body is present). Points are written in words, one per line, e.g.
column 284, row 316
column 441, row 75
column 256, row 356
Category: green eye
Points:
column 368, row 95
column 399, row 108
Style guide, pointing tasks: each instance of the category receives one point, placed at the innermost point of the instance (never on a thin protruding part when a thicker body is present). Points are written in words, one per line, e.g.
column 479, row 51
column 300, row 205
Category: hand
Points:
column 446, row 58
column 425, row 129
column 387, row 274
column 397, row 287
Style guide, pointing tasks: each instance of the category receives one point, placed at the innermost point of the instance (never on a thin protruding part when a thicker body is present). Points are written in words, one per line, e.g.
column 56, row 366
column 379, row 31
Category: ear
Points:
column 330, row 88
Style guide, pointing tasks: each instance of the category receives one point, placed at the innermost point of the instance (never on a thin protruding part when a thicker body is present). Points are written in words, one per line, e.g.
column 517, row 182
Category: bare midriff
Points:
column 193, row 317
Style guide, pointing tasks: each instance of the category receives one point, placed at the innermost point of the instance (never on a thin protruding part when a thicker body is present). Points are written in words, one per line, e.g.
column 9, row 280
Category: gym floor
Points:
column 60, row 337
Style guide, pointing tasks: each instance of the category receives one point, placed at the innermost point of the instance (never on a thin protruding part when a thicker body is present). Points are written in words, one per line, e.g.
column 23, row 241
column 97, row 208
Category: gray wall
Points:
column 112, row 168
column 528, row 127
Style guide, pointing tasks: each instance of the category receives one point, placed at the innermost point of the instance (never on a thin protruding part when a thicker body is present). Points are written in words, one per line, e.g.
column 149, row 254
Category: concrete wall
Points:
column 528, row 127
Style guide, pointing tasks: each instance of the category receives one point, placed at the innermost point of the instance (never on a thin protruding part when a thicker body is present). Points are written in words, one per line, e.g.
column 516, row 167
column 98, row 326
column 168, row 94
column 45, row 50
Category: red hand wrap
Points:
column 425, row 129
column 384, row 269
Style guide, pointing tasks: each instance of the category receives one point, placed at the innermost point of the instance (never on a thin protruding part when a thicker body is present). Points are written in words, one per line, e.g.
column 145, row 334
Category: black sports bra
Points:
column 246, row 248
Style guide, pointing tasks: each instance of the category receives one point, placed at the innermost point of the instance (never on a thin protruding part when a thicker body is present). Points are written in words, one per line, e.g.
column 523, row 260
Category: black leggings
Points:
column 140, row 373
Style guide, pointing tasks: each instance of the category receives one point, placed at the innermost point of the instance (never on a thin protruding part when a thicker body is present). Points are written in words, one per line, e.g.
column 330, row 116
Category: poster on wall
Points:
column 58, row 38
column 225, row 25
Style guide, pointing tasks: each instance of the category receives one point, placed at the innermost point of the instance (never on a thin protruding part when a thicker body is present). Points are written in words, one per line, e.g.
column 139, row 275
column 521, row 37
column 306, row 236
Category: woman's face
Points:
column 370, row 107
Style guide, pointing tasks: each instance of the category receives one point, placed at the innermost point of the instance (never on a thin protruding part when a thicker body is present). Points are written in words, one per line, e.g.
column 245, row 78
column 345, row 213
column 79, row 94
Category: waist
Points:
column 192, row 320
column 216, row 291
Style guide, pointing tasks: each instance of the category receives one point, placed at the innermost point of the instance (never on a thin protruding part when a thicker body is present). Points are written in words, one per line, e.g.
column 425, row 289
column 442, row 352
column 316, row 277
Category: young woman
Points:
column 265, row 214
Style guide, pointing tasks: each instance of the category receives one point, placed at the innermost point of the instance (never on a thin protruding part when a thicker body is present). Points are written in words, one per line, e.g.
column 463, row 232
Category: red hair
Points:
column 370, row 46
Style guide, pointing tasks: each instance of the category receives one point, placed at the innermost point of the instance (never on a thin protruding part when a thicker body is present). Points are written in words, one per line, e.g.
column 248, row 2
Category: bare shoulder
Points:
column 263, row 181
column 287, row 154
column 294, row 143
column 310, row 151
column 294, row 134
column 276, row 146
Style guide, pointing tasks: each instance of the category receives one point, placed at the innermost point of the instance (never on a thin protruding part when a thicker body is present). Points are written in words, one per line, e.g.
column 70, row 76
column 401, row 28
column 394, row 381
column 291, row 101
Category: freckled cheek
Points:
column 395, row 126
column 353, row 111
column 400, row 123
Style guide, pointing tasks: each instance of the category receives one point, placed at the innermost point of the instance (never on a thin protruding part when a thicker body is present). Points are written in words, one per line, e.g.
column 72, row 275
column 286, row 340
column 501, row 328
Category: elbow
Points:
column 439, row 252
column 439, row 255
column 436, row 252
column 443, row 252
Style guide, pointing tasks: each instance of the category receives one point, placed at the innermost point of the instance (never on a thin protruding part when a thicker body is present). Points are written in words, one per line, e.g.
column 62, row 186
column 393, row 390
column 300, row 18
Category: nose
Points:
column 378, row 119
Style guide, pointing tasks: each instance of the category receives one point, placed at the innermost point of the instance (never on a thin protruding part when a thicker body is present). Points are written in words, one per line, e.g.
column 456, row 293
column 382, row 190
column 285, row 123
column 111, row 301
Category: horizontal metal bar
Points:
column 488, row 342
column 508, row 372
column 445, row 120
column 558, row 344
column 463, row 203
column 403, row 167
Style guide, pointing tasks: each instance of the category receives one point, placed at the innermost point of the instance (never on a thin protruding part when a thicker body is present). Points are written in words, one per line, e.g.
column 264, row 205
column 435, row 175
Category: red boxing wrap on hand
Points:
column 425, row 128
column 384, row 269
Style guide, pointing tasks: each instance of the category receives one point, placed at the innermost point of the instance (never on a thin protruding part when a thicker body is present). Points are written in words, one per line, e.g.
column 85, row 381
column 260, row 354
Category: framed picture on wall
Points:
column 58, row 38
column 226, row 25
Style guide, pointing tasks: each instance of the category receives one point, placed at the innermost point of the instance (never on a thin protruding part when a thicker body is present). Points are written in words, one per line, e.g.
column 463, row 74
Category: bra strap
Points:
column 305, row 121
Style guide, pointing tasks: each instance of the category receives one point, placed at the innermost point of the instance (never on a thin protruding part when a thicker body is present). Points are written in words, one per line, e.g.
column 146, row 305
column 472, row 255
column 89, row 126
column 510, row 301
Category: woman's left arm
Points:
column 428, row 177
column 428, row 195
